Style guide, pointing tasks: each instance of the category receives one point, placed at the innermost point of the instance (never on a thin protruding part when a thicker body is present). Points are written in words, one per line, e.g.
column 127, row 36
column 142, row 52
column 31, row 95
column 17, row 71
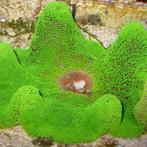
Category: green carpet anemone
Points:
column 30, row 94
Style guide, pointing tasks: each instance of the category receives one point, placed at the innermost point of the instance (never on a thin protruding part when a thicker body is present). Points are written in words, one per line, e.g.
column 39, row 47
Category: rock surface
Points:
column 98, row 21
column 16, row 137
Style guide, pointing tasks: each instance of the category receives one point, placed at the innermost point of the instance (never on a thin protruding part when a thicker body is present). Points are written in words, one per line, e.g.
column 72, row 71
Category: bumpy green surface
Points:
column 140, row 110
column 30, row 95
column 118, row 73
column 11, row 78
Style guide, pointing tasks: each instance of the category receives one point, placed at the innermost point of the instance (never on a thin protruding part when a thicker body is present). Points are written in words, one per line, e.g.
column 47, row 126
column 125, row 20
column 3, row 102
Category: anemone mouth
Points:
column 77, row 82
